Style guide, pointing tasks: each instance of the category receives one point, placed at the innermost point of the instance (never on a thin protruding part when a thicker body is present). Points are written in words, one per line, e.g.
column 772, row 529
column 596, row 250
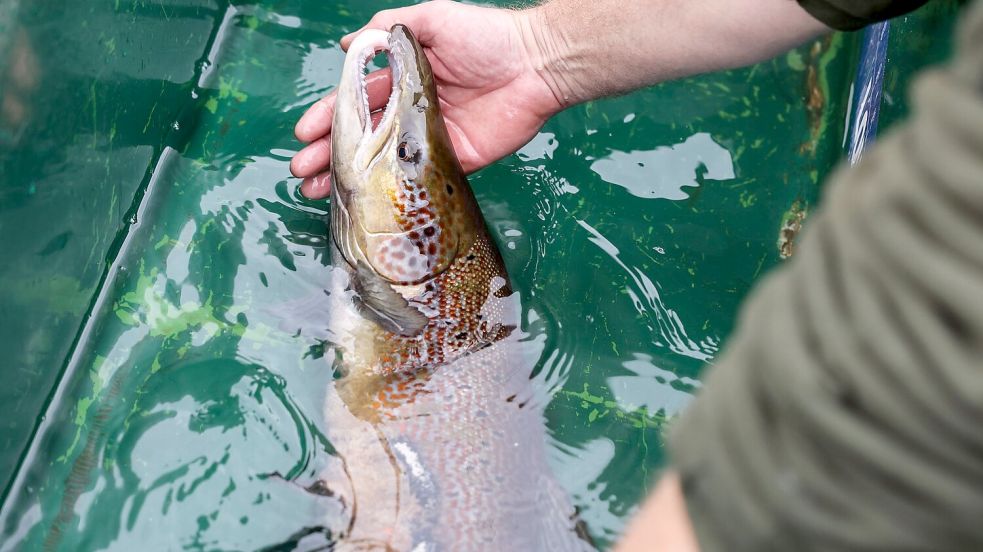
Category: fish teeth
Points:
column 364, row 96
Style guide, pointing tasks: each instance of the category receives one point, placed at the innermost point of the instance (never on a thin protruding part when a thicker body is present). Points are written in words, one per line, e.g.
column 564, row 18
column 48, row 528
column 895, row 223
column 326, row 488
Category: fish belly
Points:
column 460, row 466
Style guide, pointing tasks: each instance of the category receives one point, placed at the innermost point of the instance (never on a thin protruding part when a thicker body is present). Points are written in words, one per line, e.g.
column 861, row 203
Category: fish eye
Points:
column 408, row 151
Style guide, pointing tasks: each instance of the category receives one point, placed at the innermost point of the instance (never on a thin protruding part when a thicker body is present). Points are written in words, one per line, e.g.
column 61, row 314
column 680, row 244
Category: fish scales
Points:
column 442, row 446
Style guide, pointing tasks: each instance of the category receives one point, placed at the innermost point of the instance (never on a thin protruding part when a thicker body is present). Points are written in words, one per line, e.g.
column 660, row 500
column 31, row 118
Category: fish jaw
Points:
column 352, row 134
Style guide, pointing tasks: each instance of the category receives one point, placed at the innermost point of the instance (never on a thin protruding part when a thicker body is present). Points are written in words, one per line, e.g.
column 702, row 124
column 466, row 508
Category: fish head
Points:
column 400, row 201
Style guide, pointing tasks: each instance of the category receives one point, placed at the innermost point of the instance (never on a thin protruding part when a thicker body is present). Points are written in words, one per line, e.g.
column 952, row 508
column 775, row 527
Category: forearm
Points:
column 662, row 523
column 586, row 49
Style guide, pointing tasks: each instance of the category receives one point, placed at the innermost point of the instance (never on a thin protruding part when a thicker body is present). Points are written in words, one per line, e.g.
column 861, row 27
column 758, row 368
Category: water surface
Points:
column 162, row 267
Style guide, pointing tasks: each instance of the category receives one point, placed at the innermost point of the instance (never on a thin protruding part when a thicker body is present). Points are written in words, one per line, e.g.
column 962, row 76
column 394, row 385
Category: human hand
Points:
column 492, row 96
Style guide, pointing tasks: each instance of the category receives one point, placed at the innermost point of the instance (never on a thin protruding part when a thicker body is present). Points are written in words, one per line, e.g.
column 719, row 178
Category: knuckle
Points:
column 383, row 17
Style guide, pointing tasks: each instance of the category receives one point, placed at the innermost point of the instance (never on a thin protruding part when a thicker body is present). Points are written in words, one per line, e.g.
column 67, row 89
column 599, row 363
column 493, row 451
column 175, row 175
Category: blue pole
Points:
column 867, row 88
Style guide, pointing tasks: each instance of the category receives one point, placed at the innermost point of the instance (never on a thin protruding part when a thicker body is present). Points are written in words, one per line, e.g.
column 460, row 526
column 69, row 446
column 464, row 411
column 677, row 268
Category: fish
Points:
column 442, row 444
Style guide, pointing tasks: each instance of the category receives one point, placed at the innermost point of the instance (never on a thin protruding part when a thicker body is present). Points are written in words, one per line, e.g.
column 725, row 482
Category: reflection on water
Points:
column 651, row 387
column 665, row 171
column 202, row 369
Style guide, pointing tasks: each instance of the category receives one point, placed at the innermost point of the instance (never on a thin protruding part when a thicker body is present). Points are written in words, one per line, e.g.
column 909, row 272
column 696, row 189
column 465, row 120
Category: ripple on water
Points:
column 210, row 432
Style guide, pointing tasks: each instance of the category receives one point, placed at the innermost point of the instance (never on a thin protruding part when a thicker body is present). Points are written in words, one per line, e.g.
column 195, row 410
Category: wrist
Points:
column 548, row 53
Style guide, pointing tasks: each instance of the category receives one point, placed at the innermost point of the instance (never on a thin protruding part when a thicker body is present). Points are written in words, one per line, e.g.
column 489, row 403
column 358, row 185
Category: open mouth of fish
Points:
column 369, row 43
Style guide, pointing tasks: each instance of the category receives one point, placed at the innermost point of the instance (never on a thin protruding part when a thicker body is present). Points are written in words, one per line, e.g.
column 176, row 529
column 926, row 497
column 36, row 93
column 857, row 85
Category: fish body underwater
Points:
column 433, row 414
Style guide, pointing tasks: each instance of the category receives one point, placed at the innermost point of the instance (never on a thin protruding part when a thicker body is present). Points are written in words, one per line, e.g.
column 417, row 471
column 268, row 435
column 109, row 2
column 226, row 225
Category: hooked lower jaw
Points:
column 366, row 45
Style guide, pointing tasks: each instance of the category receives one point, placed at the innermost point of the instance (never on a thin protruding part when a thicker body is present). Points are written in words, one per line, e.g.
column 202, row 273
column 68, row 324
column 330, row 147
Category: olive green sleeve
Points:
column 850, row 15
column 846, row 412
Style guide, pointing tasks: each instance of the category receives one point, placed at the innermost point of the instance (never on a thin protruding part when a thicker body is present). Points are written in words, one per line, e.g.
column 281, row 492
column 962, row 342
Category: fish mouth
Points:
column 375, row 130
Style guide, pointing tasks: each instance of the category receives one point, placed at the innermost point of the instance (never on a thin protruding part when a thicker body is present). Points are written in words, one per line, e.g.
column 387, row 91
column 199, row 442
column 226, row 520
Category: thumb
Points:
column 422, row 19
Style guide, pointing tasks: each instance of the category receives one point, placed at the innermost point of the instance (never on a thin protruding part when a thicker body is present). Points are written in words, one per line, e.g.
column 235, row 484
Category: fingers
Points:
column 378, row 85
column 313, row 159
column 316, row 121
column 316, row 187
column 422, row 19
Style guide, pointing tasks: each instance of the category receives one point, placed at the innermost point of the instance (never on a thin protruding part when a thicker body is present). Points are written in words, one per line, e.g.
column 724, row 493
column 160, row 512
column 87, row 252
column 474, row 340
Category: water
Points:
column 161, row 266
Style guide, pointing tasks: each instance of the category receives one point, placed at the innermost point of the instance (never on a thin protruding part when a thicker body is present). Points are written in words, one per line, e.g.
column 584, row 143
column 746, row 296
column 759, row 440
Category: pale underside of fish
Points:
column 461, row 467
